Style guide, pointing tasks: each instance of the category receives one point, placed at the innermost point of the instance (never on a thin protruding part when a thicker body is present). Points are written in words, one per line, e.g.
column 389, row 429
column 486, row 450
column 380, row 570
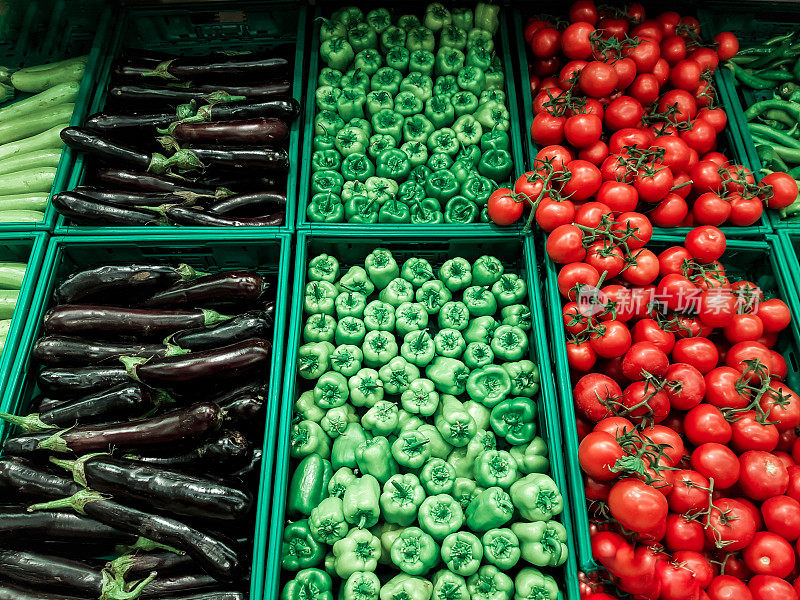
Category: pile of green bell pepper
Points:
column 417, row 101
column 417, row 471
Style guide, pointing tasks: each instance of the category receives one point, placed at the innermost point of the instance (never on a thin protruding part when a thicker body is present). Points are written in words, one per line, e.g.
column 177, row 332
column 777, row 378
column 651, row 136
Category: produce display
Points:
column 198, row 141
column 769, row 73
column 417, row 470
column 143, row 445
column 625, row 113
column 12, row 274
column 30, row 146
column 412, row 122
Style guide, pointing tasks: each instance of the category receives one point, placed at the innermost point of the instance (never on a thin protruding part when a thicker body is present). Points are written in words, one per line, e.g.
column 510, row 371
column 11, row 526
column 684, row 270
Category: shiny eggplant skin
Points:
column 183, row 215
column 228, row 287
column 249, row 204
column 227, row 450
column 256, row 131
column 68, row 382
column 117, row 403
column 241, row 327
column 68, row 350
column 85, row 209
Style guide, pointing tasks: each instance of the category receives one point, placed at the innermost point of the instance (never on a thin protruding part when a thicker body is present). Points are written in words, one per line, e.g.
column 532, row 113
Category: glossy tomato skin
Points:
column 686, row 387
column 699, row 352
column 642, row 359
column 689, row 492
column 718, row 461
column 636, row 505
column 587, row 391
column 705, row 243
column 683, row 534
column 769, row 587
column 750, row 434
column 762, row 475
column 503, row 207
column 597, row 453
column 782, row 516
column 705, row 423
column 730, row 525
column 648, row 330
column 726, row 587
column 565, row 244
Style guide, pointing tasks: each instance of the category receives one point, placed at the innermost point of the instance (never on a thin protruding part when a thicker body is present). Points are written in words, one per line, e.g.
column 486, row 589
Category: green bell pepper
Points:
column 408, row 422
column 313, row 359
column 331, row 390
column 388, row 533
column 407, row 104
column 352, row 189
column 441, row 186
column 417, row 271
column 489, row 583
column 532, row 583
column 306, row 410
column 464, row 458
column 414, row 551
column 439, row 516
column 327, row 183
column 405, row 587
column 319, row 328
column 417, row 128
column 331, row 29
column 394, row 164
column 381, row 267
column 479, row 57
column 326, row 160
column 307, row 437
column 300, row 550
column 398, row 58
column 397, row 292
column 379, row 348
column 323, row 268
column 451, row 418
column 326, row 522
column 462, row 553
column 449, row 343
column 373, row 457
column 443, row 141
column 462, row 17
column 325, row 207
column 440, row 112
column 309, row 584
column 408, row 22
column 419, row 84
column 410, row 316
column 433, row 295
column 460, row 210
column 421, row 61
column 343, row 477
column 343, row 452
column 453, row 36
column 531, row 458
column 421, row 173
column 357, row 167
column 543, row 543
column 368, row 60
column 477, row 355
column 426, row 212
column 357, row 551
column 392, row 37
column 537, row 497
column 361, row 502
column 319, row 297
column 489, row 509
column 379, row 143
column 449, row 61
column 445, row 86
column 350, row 304
column 378, row 100
column 480, row 301
column 366, row 388
column 438, row 477
column 327, row 122
column 381, row 189
column 362, row 585
column 468, row 130
column 420, row 38
column 401, row 498
column 351, row 139
column 496, row 164
column 495, row 75
column 308, row 486
column 493, row 96
column 480, row 413
column 356, row 280
column 438, row 161
column 349, row 16
column 509, row 342
column 381, row 419
column 346, row 359
column 517, row 315
column 420, row 398
column 449, row 586
column 454, row 315
column 486, row 17
column 360, row 209
column 410, row 449
column 350, row 330
column 337, row 53
column 487, row 270
column 515, row 420
column 418, row 348
column 350, row 103
column 449, row 375
column 494, row 140
column 379, row 19
column 409, row 192
column 397, row 375
column 356, row 79
column 495, row 468
column 456, row 273
column 436, row 444
column 386, row 79
column 336, row 420
column 462, row 169
column 480, row 38
column 324, row 142
column 464, row 103
column 437, row 17
column 493, row 115
column 471, row 79
column 489, row 385
column 477, row 189
column 379, row 316
column 524, row 376
column 464, row 490
column 501, row 548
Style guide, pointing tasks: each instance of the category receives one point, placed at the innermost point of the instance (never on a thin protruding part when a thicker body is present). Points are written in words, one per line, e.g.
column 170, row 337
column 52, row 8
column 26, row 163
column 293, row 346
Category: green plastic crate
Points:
column 752, row 23
column 54, row 31
column 744, row 259
column 197, row 29
column 351, row 249
column 729, row 139
column 27, row 247
column 503, row 38
column 267, row 252
column 790, row 243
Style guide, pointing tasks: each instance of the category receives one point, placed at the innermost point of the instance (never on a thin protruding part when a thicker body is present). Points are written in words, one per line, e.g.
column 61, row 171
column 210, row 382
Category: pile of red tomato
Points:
column 626, row 112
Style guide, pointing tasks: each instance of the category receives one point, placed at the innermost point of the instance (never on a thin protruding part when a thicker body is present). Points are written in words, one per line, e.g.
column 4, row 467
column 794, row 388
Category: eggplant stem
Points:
column 159, row 163
column 131, row 362
column 162, row 71
column 212, row 317
column 55, row 443
column 29, row 423
column 147, row 545
column 77, row 467
column 77, row 502
column 120, row 565
column 114, row 587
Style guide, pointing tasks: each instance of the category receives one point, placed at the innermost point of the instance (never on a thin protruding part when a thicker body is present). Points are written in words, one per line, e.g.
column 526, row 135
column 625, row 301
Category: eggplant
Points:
column 127, row 95
column 22, row 477
column 82, row 209
column 228, row 450
column 241, row 327
column 147, row 182
column 12, row 592
column 214, row 556
column 91, row 143
column 25, row 445
column 227, row 362
column 67, row 350
column 110, row 124
column 256, row 131
column 250, row 204
column 228, row 287
column 146, row 562
column 287, row 109
column 244, row 410
column 128, row 199
column 266, row 158
column 110, row 320
column 215, row 67
column 240, row 182
column 57, row 526
column 121, row 281
column 168, row 428
column 75, row 381
column 189, row 216
column 252, row 464
column 179, row 584
column 201, row 595
column 120, row 402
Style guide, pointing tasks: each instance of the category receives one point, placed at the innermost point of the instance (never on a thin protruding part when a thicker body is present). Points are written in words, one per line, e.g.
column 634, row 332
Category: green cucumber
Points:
column 31, row 160
column 12, row 275
column 6, row 91
column 8, row 302
column 42, row 77
column 5, row 325
column 24, row 202
column 47, row 140
column 59, row 94
column 24, row 127
column 29, row 181
column 21, row 216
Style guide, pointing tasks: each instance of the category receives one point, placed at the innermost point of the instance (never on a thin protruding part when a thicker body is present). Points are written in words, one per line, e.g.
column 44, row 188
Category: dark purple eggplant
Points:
column 163, row 489
column 228, row 287
column 257, row 131
column 67, row 350
column 217, row 67
column 85, row 209
column 170, row 585
column 146, row 562
column 167, row 428
column 121, row 281
column 111, row 124
column 147, row 182
column 76, row 381
column 25, row 445
column 214, row 556
column 227, row 362
column 229, row 450
column 56, row 526
column 287, row 109
column 127, row 199
column 244, row 411
column 214, row 595
column 268, row 159
column 236, row 390
column 253, row 204
column 240, row 182
column 183, row 215
column 128, row 95
column 86, row 141
column 252, row 464
column 110, row 320
column 12, row 592
column 115, row 404
column 22, row 477
column 241, row 327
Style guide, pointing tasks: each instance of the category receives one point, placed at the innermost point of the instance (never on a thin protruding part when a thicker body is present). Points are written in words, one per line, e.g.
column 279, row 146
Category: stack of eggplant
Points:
column 198, row 141
column 145, row 440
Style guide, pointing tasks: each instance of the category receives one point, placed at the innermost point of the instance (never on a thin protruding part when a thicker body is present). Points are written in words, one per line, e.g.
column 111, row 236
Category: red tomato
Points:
column 689, row 492
column 726, row 587
column 613, row 339
column 642, row 268
column 784, row 190
column 749, row 434
column 744, row 328
column 684, row 103
column 671, row 260
column 716, row 307
column 605, row 256
column 705, row 177
column 556, row 155
column 715, row 460
column 592, row 214
column 697, row 564
column 630, row 136
column 547, row 129
column 553, row 213
column 580, row 356
column 762, row 475
column 565, row 244
column 614, row 426
column 685, row 385
column 676, row 152
column 670, row 212
column 597, row 453
column 684, row 75
column 698, row 352
column 705, row 423
column 769, row 554
column 731, row 525
column 661, row 71
column 619, row 196
column 583, row 10
column 648, row 330
column 583, row 130
column 644, row 358
column 625, row 69
column 711, row 209
column 636, row 505
column 769, row 587
column 722, row 389
column 592, row 392
column 574, row 275
column 645, row 88
column 700, row 136
column 575, row 41
column 653, row 183
column 595, row 154
column 598, row 79
column 677, row 582
column 503, row 207
column 676, row 292
column 781, row 405
column 673, row 49
column 727, row 45
column 645, row 55
column 623, row 112
column 683, row 534
column 584, row 180
column 545, row 42
column 782, row 516
column 705, row 243
column 774, row 314
column 716, row 117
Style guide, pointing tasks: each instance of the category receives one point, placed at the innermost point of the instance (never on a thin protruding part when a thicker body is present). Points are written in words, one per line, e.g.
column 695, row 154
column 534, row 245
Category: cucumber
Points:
column 24, row 202
column 5, row 325
column 47, row 140
column 5, row 74
column 8, row 302
column 12, row 274
column 6, row 91
column 21, row 216
column 83, row 59
column 29, row 181
column 17, row 129
column 58, row 94
column 37, row 79
column 30, row 160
